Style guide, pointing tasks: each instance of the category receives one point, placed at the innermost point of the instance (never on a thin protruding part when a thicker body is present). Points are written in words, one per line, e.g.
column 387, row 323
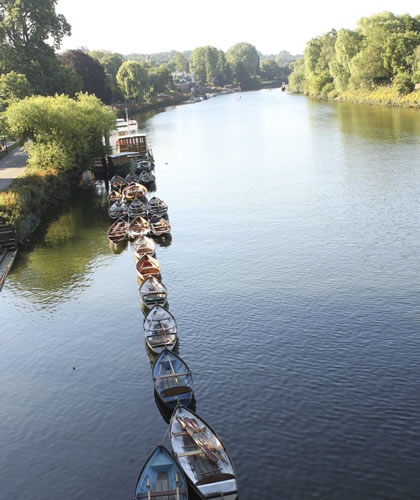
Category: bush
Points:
column 403, row 83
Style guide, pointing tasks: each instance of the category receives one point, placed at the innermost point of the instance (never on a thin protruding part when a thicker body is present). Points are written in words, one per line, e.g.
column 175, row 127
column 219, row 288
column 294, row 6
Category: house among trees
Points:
column 183, row 81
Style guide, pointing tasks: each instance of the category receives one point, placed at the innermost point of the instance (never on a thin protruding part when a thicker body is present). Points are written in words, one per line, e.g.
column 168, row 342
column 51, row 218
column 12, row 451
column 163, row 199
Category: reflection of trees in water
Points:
column 63, row 251
column 378, row 122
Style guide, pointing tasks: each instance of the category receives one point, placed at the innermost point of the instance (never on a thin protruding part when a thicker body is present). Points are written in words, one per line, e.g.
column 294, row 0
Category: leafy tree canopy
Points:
column 133, row 79
column 91, row 72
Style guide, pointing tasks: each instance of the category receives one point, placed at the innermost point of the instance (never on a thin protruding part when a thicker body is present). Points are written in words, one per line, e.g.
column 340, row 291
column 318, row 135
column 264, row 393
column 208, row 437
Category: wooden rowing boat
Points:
column 146, row 177
column 172, row 379
column 134, row 190
column 143, row 245
column 138, row 227
column 131, row 177
column 118, row 231
column 153, row 292
column 161, row 478
column 202, row 456
column 144, row 165
column 155, row 206
column 137, row 208
column 114, row 196
column 159, row 226
column 118, row 210
column 160, row 329
column 147, row 266
column 118, row 182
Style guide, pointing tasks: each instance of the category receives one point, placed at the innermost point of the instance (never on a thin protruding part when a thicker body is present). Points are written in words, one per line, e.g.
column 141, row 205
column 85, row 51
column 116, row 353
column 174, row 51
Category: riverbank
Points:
column 381, row 96
column 26, row 198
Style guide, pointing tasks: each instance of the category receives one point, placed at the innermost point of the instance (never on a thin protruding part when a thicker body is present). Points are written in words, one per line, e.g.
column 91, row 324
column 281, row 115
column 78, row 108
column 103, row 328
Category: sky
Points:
column 150, row 26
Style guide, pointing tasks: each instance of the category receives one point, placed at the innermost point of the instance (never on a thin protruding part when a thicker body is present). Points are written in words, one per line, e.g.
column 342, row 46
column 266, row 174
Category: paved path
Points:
column 12, row 165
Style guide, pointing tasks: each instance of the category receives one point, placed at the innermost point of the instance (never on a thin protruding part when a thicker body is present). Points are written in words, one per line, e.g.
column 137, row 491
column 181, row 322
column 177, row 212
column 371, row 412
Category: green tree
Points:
column 297, row 77
column 399, row 51
column 245, row 54
column 270, row 70
column 30, row 30
column 181, row 63
column 160, row 79
column 14, row 86
column 63, row 132
column 133, row 79
column 91, row 72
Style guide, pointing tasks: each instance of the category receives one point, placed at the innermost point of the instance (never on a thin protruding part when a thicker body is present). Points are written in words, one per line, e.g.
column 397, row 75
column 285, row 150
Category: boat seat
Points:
column 157, row 494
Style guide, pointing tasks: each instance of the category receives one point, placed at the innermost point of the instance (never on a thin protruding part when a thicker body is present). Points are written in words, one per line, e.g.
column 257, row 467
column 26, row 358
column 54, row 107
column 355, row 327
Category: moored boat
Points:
column 114, row 196
column 118, row 210
column 144, row 165
column 137, row 208
column 131, row 177
column 134, row 190
column 147, row 266
column 143, row 245
column 202, row 456
column 118, row 182
column 138, row 227
column 118, row 231
column 153, row 292
column 159, row 226
column 156, row 206
column 160, row 329
column 161, row 478
column 146, row 177
column 172, row 379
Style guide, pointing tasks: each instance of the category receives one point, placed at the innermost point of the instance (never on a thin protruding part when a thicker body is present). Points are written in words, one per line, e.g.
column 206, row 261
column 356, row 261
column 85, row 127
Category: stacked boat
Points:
column 199, row 461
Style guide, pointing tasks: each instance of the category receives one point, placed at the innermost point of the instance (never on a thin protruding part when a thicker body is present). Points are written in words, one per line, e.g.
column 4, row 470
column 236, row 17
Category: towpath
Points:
column 12, row 165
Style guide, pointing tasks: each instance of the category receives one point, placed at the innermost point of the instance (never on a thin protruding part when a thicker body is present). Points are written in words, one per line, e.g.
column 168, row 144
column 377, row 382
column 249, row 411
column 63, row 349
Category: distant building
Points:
column 183, row 81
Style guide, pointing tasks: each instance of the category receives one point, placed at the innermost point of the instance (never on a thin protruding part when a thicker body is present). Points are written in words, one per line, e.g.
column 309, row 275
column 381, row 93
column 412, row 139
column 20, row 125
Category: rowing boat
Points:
column 147, row 266
column 161, row 478
column 144, row 165
column 138, row 227
column 118, row 182
column 202, row 456
column 143, row 245
column 159, row 226
column 134, row 190
column 172, row 379
column 153, row 292
column 137, row 208
column 114, row 196
column 146, row 177
column 160, row 329
column 155, row 206
column 118, row 210
column 131, row 177
column 118, row 231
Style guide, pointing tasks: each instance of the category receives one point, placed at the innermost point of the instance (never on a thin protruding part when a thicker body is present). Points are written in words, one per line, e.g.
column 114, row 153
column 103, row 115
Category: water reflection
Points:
column 379, row 123
column 65, row 250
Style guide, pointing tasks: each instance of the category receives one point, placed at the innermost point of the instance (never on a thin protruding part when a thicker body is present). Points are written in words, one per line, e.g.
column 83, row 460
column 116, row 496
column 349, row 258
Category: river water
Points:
column 293, row 273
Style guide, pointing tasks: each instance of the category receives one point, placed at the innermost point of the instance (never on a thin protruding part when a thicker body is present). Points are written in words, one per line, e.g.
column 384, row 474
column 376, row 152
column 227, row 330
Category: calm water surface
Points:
column 293, row 274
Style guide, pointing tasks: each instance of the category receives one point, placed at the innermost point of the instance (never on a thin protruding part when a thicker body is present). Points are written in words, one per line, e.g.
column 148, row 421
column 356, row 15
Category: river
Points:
column 293, row 274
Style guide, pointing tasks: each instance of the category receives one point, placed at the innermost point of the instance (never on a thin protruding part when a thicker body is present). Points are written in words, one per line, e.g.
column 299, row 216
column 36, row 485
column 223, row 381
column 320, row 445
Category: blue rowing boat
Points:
column 161, row 478
column 172, row 379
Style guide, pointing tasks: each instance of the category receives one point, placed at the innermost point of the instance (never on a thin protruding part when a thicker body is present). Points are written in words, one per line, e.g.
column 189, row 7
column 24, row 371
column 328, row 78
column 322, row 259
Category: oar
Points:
column 194, row 425
column 177, row 485
column 158, row 377
column 210, row 455
column 172, row 368
column 148, row 488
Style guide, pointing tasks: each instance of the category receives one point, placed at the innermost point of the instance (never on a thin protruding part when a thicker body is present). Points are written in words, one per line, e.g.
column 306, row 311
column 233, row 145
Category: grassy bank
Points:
column 382, row 96
column 24, row 202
